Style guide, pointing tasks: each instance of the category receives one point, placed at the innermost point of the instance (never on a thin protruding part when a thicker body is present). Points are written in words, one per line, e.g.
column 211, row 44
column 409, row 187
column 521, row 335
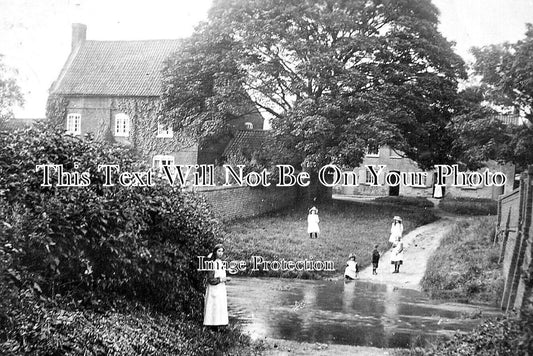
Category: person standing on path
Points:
column 375, row 260
column 396, row 229
column 312, row 223
column 216, row 300
column 397, row 255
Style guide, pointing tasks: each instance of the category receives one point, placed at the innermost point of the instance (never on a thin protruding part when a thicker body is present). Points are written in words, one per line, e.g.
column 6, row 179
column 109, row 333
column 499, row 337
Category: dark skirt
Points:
column 399, row 262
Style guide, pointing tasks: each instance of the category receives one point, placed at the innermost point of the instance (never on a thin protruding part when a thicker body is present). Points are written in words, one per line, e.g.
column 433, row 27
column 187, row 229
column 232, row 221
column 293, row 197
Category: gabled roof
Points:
column 245, row 142
column 115, row 68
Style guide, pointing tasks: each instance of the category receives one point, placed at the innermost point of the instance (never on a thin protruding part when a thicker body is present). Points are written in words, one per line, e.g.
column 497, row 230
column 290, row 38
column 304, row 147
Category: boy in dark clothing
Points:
column 375, row 260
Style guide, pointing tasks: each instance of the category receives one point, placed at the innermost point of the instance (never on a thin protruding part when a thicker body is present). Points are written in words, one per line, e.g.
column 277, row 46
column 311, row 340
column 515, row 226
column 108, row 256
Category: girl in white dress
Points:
column 312, row 223
column 216, row 300
column 396, row 230
column 397, row 255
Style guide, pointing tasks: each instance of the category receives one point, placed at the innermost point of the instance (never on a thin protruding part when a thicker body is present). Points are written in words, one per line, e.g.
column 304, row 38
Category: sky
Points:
column 35, row 35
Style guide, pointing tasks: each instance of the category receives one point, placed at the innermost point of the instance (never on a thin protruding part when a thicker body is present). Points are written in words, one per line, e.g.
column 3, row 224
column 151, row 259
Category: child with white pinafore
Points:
column 216, row 300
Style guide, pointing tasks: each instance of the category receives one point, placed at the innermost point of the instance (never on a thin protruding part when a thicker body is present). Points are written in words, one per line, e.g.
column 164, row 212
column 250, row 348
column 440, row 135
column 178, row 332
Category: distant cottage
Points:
column 112, row 88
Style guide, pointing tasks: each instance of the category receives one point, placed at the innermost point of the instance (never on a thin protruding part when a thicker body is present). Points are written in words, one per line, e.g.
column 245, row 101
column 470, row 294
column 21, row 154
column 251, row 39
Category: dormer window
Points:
column 74, row 124
column 164, row 130
column 122, row 125
column 249, row 126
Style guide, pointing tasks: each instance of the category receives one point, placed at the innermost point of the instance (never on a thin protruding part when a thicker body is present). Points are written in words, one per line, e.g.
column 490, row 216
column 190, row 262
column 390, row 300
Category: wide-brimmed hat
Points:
column 397, row 218
column 313, row 209
column 351, row 255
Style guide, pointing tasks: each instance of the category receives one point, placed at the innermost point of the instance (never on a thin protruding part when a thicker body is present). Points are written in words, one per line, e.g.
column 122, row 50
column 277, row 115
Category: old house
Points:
column 111, row 89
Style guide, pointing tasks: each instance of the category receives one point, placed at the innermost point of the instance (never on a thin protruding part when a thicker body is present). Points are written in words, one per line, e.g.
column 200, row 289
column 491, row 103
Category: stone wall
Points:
column 234, row 202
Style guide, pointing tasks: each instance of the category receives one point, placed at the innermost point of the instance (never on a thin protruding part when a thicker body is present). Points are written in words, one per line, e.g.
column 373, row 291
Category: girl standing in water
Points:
column 216, row 300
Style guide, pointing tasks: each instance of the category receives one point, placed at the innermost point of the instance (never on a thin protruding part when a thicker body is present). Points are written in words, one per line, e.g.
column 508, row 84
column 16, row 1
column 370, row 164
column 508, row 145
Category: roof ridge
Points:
column 136, row 41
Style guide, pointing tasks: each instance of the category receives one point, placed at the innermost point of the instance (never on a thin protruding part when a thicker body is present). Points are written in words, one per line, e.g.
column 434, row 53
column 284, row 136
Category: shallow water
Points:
column 352, row 313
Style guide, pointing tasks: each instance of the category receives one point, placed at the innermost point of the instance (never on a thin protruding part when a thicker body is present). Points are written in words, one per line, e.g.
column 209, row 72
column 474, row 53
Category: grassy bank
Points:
column 465, row 266
column 346, row 227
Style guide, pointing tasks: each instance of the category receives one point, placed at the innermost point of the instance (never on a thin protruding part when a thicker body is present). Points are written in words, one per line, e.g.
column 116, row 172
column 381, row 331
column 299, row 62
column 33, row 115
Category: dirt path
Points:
column 419, row 245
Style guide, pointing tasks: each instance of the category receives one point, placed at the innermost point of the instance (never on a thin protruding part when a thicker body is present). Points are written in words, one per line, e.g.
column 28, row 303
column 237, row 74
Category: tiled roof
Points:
column 245, row 142
column 512, row 119
column 115, row 68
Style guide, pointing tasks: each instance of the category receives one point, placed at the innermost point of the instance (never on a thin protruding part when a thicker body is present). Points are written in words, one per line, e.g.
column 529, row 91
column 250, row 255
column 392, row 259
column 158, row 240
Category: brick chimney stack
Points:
column 79, row 34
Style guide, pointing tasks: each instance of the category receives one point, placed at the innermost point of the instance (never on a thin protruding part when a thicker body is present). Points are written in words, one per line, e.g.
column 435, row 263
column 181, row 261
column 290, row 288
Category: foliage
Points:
column 44, row 328
column 335, row 76
column 506, row 81
column 501, row 336
column 95, row 242
column 469, row 206
column 10, row 94
column 465, row 266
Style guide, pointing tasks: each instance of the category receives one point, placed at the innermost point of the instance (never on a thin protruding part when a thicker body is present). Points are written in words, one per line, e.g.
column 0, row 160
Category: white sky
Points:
column 35, row 34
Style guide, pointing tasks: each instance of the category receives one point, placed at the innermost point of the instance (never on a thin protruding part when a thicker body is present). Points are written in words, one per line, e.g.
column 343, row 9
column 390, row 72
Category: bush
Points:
column 95, row 241
column 469, row 206
column 502, row 336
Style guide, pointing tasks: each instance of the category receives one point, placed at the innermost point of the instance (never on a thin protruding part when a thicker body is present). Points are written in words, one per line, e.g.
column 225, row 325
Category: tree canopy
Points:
column 335, row 76
column 506, row 80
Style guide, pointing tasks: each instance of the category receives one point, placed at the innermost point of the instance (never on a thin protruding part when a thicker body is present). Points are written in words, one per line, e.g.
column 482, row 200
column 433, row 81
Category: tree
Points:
column 506, row 73
column 335, row 76
column 10, row 94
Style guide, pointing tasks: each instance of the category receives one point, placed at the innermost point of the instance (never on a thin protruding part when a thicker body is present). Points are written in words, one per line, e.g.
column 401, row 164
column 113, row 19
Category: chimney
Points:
column 79, row 33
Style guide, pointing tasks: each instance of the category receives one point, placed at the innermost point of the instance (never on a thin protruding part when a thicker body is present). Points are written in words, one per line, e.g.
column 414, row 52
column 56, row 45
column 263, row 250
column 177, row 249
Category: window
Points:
column 369, row 178
column 74, row 124
column 249, row 126
column 122, row 125
column 372, row 150
column 164, row 130
column 163, row 160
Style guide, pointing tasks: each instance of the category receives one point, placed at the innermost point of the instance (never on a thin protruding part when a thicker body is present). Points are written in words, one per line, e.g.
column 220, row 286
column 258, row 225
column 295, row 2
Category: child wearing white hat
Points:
column 312, row 223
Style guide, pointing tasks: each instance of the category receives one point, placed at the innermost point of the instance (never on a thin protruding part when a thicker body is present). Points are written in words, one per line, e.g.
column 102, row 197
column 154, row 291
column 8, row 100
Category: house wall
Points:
column 394, row 162
column 235, row 202
column 98, row 118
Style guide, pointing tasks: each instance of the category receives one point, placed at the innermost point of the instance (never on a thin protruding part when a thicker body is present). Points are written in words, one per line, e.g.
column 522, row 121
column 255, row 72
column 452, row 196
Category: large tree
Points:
column 10, row 94
column 335, row 76
column 506, row 74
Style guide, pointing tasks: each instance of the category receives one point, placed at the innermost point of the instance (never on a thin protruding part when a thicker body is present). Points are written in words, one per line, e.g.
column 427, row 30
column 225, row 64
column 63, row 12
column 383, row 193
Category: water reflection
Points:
column 354, row 313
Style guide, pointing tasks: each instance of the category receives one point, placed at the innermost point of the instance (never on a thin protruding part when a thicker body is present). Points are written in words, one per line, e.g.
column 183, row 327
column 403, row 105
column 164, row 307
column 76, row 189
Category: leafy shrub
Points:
column 469, row 206
column 96, row 241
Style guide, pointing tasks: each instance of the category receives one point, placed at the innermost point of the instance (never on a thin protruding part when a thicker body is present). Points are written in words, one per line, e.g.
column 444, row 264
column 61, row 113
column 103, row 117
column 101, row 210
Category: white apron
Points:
column 216, row 300
column 395, row 256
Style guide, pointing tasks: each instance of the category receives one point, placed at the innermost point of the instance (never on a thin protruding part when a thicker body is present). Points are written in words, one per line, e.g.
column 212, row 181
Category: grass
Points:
column 346, row 227
column 465, row 266
column 469, row 206
column 420, row 202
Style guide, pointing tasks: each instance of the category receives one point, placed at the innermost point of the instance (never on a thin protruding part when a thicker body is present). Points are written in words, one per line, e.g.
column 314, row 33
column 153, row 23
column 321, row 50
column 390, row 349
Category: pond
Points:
column 351, row 313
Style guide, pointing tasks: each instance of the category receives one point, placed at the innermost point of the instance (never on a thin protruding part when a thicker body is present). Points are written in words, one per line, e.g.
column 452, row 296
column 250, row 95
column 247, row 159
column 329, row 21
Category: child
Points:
column 216, row 302
column 352, row 269
column 312, row 223
column 375, row 260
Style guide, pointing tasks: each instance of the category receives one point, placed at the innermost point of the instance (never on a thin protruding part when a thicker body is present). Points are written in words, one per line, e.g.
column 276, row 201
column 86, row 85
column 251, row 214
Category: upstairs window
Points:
column 74, row 124
column 164, row 130
column 122, row 125
column 372, row 150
